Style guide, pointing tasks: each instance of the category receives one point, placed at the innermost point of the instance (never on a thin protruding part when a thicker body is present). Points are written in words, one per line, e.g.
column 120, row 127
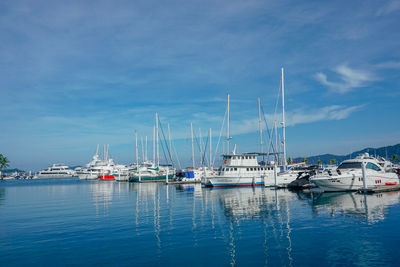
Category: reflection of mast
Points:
column 232, row 251
column 289, row 230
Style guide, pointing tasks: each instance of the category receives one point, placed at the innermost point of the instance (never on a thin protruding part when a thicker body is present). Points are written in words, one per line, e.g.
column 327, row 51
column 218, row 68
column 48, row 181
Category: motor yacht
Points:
column 242, row 170
column 56, row 171
column 349, row 174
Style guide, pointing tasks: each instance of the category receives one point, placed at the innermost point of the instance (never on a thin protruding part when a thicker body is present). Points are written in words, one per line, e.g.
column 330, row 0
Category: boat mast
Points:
column 104, row 152
column 141, row 144
column 201, row 149
column 97, row 150
column 210, row 151
column 154, row 144
column 227, row 129
column 158, row 151
column 259, row 125
column 277, row 155
column 191, row 132
column 283, row 121
column 137, row 152
column 108, row 149
column 146, row 148
column 170, row 143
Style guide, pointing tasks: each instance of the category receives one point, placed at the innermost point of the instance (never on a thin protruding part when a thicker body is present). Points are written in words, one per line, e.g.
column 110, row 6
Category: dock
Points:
column 379, row 188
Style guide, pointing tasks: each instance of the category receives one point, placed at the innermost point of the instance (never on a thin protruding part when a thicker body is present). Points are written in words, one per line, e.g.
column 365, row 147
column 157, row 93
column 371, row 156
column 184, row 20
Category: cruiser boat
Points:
column 349, row 174
column 147, row 171
column 242, row 170
column 56, row 171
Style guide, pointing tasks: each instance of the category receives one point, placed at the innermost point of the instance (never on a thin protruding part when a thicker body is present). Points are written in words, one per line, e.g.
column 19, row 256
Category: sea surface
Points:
column 62, row 222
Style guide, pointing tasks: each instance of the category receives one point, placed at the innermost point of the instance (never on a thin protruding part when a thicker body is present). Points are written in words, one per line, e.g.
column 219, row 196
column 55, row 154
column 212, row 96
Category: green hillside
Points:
column 385, row 152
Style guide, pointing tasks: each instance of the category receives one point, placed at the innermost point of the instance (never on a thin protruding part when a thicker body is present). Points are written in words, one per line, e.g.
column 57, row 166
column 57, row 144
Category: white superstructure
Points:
column 56, row 171
column 242, row 170
column 349, row 174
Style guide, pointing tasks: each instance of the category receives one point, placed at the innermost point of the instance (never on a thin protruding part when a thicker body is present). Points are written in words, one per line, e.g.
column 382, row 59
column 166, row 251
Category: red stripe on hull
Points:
column 107, row 177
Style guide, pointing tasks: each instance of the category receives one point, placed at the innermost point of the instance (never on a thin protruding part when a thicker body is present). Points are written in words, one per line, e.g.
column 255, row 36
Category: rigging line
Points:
column 200, row 148
column 166, row 145
column 204, row 157
column 219, row 138
column 176, row 155
column 268, row 131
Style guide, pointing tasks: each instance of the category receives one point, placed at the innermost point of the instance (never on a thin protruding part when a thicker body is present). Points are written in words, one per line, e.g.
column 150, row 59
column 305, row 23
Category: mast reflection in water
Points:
column 106, row 222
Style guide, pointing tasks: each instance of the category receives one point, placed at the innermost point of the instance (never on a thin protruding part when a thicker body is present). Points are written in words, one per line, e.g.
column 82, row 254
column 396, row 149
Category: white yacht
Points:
column 242, row 170
column 56, row 171
column 349, row 174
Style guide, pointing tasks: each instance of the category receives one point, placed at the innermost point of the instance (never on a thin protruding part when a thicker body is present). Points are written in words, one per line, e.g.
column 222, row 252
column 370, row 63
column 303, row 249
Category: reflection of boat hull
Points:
column 150, row 178
column 235, row 181
column 369, row 206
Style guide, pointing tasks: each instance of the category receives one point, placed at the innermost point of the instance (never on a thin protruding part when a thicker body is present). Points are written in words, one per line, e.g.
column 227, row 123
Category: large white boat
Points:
column 242, row 170
column 99, row 169
column 349, row 174
column 56, row 171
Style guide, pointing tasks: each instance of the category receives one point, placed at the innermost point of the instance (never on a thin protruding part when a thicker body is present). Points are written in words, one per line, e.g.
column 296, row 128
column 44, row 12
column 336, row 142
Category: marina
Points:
column 187, row 133
column 237, row 226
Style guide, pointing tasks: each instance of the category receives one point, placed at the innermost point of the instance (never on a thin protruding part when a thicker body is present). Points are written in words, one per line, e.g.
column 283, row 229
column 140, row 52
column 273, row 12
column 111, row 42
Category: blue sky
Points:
column 74, row 74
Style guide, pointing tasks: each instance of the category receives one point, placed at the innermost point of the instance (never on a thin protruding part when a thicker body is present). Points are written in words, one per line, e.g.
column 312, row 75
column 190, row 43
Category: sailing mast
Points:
column 146, row 149
column 141, row 145
column 137, row 152
column 283, row 121
column 227, row 130
column 260, row 126
column 154, row 144
column 210, row 151
column 157, row 148
column 170, row 143
column 191, row 131
column 201, row 149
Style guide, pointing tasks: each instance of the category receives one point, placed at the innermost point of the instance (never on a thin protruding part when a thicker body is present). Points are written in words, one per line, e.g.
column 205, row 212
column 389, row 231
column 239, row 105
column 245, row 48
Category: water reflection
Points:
column 270, row 207
column 369, row 207
column 239, row 226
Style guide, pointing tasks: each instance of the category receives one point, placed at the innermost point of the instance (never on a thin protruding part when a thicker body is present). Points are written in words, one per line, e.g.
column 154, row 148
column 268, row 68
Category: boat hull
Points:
column 150, row 178
column 41, row 176
column 106, row 177
column 235, row 181
column 337, row 183
column 88, row 176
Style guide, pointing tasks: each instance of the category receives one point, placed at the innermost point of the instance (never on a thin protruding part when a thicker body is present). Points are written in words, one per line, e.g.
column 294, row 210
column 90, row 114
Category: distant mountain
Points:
column 385, row 152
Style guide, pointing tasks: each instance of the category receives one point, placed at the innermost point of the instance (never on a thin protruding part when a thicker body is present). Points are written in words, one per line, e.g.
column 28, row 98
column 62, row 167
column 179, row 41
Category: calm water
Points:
column 69, row 222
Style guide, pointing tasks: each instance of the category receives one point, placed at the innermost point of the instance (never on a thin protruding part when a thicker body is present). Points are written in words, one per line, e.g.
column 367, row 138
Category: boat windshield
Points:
column 350, row 165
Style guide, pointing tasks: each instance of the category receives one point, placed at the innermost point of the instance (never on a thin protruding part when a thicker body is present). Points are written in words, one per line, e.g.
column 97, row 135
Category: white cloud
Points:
column 390, row 7
column 350, row 79
column 299, row 116
column 389, row 65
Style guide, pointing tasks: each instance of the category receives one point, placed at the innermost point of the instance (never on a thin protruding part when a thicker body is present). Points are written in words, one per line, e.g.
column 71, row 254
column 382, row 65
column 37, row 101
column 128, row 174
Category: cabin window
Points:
column 350, row 165
column 372, row 167
column 235, row 169
column 247, row 169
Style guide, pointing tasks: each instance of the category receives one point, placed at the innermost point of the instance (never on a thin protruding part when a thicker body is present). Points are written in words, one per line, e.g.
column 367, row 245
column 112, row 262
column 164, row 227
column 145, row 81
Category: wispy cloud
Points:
column 299, row 116
column 349, row 79
column 389, row 65
column 389, row 7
